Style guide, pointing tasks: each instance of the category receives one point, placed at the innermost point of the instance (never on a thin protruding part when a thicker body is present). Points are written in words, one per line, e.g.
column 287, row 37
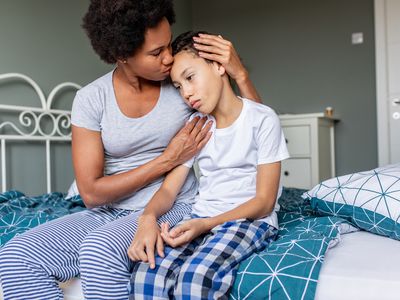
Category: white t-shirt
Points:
column 228, row 163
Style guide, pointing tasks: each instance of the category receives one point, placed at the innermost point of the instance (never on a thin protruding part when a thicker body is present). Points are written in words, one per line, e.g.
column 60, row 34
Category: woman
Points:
column 128, row 131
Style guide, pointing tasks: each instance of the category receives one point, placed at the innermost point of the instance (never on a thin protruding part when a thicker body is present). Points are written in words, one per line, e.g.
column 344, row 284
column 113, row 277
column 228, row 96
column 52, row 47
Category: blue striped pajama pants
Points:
column 92, row 243
column 204, row 268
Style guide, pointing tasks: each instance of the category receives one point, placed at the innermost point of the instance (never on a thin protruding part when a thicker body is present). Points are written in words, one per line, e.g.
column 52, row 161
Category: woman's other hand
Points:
column 188, row 141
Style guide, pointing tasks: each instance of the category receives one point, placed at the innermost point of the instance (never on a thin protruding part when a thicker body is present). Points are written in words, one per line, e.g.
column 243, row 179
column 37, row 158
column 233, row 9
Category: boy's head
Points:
column 201, row 82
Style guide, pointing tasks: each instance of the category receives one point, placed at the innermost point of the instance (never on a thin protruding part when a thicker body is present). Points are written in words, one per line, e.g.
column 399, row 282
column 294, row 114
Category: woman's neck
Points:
column 132, row 82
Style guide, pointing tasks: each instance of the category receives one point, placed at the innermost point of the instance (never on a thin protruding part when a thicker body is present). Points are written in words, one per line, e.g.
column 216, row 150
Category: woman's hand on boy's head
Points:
column 184, row 233
column 218, row 49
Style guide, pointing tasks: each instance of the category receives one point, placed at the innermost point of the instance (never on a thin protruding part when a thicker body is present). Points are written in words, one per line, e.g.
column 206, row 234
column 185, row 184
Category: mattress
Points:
column 362, row 266
column 72, row 290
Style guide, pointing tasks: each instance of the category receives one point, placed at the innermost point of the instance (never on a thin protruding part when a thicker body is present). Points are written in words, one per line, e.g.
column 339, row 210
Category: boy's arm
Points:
column 268, row 176
column 164, row 198
column 147, row 237
column 216, row 48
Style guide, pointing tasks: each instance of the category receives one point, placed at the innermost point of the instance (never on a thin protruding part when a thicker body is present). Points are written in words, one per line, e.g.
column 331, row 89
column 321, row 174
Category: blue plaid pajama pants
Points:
column 203, row 269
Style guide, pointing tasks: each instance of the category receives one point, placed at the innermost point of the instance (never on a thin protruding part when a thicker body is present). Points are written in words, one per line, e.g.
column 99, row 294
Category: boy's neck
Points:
column 228, row 108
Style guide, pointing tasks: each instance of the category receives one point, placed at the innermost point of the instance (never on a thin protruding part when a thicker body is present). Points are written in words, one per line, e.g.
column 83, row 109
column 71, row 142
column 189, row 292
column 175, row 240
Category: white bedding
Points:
column 362, row 266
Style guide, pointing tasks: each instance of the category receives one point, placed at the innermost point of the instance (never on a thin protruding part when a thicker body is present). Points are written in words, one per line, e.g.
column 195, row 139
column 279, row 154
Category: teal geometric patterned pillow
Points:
column 370, row 199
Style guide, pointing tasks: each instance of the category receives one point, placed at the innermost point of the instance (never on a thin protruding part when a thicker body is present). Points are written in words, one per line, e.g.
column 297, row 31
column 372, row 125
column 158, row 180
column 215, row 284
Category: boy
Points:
column 234, row 212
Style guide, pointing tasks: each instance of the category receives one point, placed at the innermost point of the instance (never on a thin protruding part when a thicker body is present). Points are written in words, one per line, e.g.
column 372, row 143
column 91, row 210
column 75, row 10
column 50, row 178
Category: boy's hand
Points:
column 184, row 233
column 218, row 49
column 146, row 239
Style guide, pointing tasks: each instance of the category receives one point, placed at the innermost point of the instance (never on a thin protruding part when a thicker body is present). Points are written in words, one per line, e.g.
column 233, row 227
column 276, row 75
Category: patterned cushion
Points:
column 370, row 200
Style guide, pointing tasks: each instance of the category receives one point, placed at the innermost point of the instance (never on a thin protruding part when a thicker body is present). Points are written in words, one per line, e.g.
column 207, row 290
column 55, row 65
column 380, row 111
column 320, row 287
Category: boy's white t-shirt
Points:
column 228, row 163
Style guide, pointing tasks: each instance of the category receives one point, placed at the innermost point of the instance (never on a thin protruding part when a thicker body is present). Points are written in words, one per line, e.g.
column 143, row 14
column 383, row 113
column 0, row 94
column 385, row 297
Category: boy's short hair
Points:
column 184, row 42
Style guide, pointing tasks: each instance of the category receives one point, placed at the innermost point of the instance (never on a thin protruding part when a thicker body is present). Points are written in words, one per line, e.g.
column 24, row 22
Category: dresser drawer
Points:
column 298, row 140
column 296, row 172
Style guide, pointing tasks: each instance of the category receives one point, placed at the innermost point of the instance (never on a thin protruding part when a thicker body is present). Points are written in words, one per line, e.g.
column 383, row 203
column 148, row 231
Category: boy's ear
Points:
column 220, row 69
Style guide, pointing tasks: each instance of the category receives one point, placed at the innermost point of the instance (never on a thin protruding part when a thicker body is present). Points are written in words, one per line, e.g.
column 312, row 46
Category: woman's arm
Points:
column 147, row 238
column 216, row 48
column 268, row 176
column 88, row 160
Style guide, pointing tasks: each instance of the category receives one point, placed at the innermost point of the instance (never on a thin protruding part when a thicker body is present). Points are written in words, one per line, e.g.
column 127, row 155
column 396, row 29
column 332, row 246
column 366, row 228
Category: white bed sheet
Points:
column 72, row 290
column 362, row 266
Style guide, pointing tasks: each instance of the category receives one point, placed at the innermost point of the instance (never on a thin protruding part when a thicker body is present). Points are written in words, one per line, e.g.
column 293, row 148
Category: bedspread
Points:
column 19, row 213
column 289, row 267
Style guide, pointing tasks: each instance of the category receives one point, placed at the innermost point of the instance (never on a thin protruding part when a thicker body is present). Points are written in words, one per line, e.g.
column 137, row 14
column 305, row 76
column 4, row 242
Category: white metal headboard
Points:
column 32, row 117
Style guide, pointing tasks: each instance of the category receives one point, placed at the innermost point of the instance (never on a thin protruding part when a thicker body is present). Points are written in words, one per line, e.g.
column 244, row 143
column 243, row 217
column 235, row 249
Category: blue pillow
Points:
column 370, row 199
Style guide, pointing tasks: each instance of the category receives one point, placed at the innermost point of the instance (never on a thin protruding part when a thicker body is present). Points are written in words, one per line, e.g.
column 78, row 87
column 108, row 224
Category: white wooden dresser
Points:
column 311, row 145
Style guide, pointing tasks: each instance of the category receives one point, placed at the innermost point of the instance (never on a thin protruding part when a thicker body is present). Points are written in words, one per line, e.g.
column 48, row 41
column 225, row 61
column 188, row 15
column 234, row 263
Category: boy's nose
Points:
column 187, row 93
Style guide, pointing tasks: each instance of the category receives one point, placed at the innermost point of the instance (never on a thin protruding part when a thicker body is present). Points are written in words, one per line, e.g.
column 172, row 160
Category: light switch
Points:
column 357, row 38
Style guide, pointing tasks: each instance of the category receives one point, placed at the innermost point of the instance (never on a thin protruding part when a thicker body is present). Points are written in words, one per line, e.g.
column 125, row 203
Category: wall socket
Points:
column 357, row 38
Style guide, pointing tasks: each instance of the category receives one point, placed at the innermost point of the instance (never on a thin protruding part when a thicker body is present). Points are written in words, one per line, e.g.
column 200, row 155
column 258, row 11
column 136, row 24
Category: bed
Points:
column 362, row 266
column 353, row 269
column 326, row 248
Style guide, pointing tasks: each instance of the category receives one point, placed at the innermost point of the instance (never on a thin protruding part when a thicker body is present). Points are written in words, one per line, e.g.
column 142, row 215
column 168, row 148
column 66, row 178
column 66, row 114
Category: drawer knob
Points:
column 286, row 173
column 287, row 141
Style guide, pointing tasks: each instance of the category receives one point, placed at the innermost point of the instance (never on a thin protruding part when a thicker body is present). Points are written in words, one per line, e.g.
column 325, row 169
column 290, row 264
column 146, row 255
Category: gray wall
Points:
column 298, row 53
column 183, row 11
column 44, row 40
column 301, row 59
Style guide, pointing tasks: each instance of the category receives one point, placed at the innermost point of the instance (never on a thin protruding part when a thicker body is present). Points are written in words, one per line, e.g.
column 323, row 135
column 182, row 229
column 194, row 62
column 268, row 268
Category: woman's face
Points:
column 153, row 60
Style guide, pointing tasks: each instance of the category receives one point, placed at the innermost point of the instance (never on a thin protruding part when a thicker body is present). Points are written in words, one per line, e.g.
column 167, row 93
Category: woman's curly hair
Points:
column 116, row 28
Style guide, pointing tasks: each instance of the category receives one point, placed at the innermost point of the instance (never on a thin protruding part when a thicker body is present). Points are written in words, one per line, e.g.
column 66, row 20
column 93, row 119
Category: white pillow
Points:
column 73, row 190
column 370, row 199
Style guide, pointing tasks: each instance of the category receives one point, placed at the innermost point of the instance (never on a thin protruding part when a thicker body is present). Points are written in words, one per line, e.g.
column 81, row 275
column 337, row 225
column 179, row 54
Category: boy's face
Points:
column 199, row 82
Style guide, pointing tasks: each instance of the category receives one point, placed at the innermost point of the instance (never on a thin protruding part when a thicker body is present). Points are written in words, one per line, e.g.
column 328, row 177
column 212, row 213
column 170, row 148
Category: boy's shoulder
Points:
column 255, row 109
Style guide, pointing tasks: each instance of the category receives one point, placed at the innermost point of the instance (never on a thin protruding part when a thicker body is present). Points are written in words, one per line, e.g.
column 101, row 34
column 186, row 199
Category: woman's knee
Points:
column 16, row 253
column 97, row 247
